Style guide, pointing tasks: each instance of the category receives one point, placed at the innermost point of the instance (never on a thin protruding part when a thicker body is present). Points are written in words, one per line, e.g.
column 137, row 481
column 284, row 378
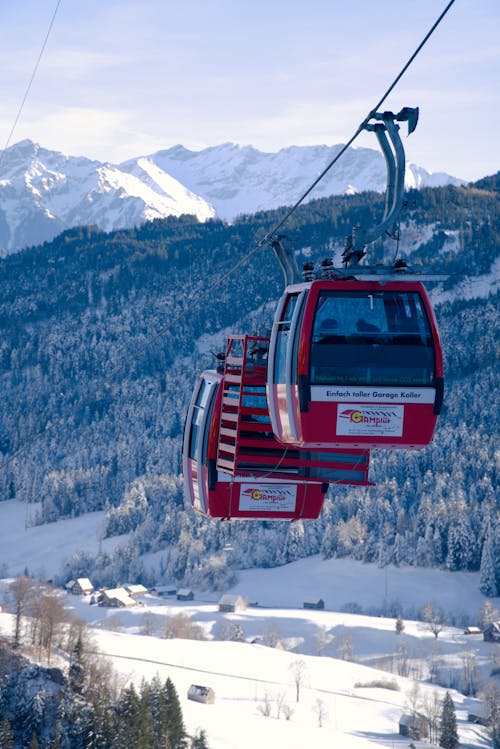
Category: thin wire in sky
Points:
column 30, row 82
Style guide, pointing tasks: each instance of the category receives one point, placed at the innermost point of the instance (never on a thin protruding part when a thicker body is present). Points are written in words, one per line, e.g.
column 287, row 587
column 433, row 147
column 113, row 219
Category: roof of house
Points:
column 229, row 599
column 185, row 592
column 136, row 589
column 119, row 594
column 494, row 626
column 84, row 583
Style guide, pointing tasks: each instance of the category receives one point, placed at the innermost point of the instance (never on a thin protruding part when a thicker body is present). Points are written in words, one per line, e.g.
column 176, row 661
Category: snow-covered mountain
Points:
column 43, row 192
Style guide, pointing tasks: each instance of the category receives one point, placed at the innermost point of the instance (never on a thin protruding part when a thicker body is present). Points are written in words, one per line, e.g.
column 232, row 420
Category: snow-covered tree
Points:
column 487, row 577
column 448, row 734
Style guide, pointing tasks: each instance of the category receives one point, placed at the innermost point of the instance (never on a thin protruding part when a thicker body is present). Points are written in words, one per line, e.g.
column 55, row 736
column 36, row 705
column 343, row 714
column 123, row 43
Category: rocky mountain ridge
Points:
column 44, row 192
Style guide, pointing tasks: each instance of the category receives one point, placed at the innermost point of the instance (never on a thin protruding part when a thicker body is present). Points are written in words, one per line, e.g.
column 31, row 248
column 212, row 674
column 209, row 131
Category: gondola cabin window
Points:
column 371, row 337
column 282, row 337
column 202, row 403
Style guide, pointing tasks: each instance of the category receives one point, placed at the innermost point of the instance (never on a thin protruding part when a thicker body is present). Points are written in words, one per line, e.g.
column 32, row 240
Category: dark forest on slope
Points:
column 97, row 363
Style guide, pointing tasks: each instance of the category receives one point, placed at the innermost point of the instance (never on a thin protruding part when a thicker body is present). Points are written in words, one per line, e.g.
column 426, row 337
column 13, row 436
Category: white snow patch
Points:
column 44, row 549
column 478, row 287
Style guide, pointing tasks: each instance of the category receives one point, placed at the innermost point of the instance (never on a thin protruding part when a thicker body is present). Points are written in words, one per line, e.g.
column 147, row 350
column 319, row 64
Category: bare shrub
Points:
column 320, row 711
column 182, row 627
column 299, row 676
column 379, row 684
column 345, row 646
column 265, row 707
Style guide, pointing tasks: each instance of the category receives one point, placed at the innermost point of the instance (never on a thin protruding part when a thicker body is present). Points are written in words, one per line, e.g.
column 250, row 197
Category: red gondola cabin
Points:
column 232, row 463
column 355, row 363
column 218, row 494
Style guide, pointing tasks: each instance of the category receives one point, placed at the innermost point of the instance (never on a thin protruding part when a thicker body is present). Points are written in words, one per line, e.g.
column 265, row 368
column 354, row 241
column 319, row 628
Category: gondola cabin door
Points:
column 269, row 495
column 355, row 363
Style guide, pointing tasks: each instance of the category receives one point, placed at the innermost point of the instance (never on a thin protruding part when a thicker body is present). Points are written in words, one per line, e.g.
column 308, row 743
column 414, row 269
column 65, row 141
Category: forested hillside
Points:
column 104, row 334
column 43, row 707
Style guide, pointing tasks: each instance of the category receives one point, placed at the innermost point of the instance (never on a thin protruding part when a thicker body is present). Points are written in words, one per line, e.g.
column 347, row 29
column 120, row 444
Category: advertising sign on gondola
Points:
column 268, row 498
column 361, row 419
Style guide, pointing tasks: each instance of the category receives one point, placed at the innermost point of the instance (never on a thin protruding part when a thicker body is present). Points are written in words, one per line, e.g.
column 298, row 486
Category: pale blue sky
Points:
column 120, row 78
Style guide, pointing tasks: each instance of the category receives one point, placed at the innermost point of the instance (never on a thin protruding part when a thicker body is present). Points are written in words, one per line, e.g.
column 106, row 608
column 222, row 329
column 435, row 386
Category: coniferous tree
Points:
column 200, row 741
column 174, row 722
column 448, row 735
column 77, row 673
column 103, row 728
column 487, row 577
column 158, row 712
column 461, row 543
column 127, row 718
column 6, row 734
column 145, row 731
column 80, row 725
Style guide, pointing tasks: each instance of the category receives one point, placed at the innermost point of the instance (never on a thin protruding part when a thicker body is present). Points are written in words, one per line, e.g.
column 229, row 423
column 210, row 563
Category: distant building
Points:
column 473, row 631
column 491, row 632
column 136, row 590
column 116, row 598
column 318, row 605
column 164, row 591
column 80, row 587
column 231, row 603
column 198, row 693
column 479, row 713
column 185, row 594
column 413, row 726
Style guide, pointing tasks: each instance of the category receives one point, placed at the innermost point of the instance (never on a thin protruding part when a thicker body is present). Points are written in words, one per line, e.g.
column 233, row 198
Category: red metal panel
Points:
column 408, row 425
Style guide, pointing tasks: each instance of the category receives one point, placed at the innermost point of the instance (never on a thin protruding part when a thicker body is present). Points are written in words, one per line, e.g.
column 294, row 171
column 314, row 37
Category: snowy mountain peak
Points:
column 43, row 192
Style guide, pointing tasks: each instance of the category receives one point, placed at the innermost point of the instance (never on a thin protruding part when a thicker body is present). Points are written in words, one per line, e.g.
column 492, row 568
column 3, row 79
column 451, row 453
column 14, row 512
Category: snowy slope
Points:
column 42, row 550
column 245, row 676
column 356, row 713
column 43, row 192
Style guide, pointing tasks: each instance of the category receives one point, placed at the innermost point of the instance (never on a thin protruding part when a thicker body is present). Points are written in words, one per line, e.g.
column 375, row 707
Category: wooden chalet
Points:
column 231, row 603
column 185, row 594
column 116, row 598
column 491, row 632
column 198, row 693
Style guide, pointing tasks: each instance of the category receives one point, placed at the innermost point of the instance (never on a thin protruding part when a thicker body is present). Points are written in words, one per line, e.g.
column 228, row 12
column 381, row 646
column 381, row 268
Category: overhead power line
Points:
column 30, row 82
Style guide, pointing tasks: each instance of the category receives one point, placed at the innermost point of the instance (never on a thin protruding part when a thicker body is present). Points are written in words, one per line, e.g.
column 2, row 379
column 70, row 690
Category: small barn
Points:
column 491, row 632
column 479, row 714
column 473, row 631
column 116, row 598
column 413, row 726
column 80, row 587
column 319, row 605
column 232, row 603
column 198, row 693
column 136, row 590
column 185, row 594
column 164, row 591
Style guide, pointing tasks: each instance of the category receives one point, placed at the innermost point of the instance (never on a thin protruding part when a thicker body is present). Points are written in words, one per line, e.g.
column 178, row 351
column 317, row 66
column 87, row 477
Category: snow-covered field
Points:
column 42, row 550
column 245, row 675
